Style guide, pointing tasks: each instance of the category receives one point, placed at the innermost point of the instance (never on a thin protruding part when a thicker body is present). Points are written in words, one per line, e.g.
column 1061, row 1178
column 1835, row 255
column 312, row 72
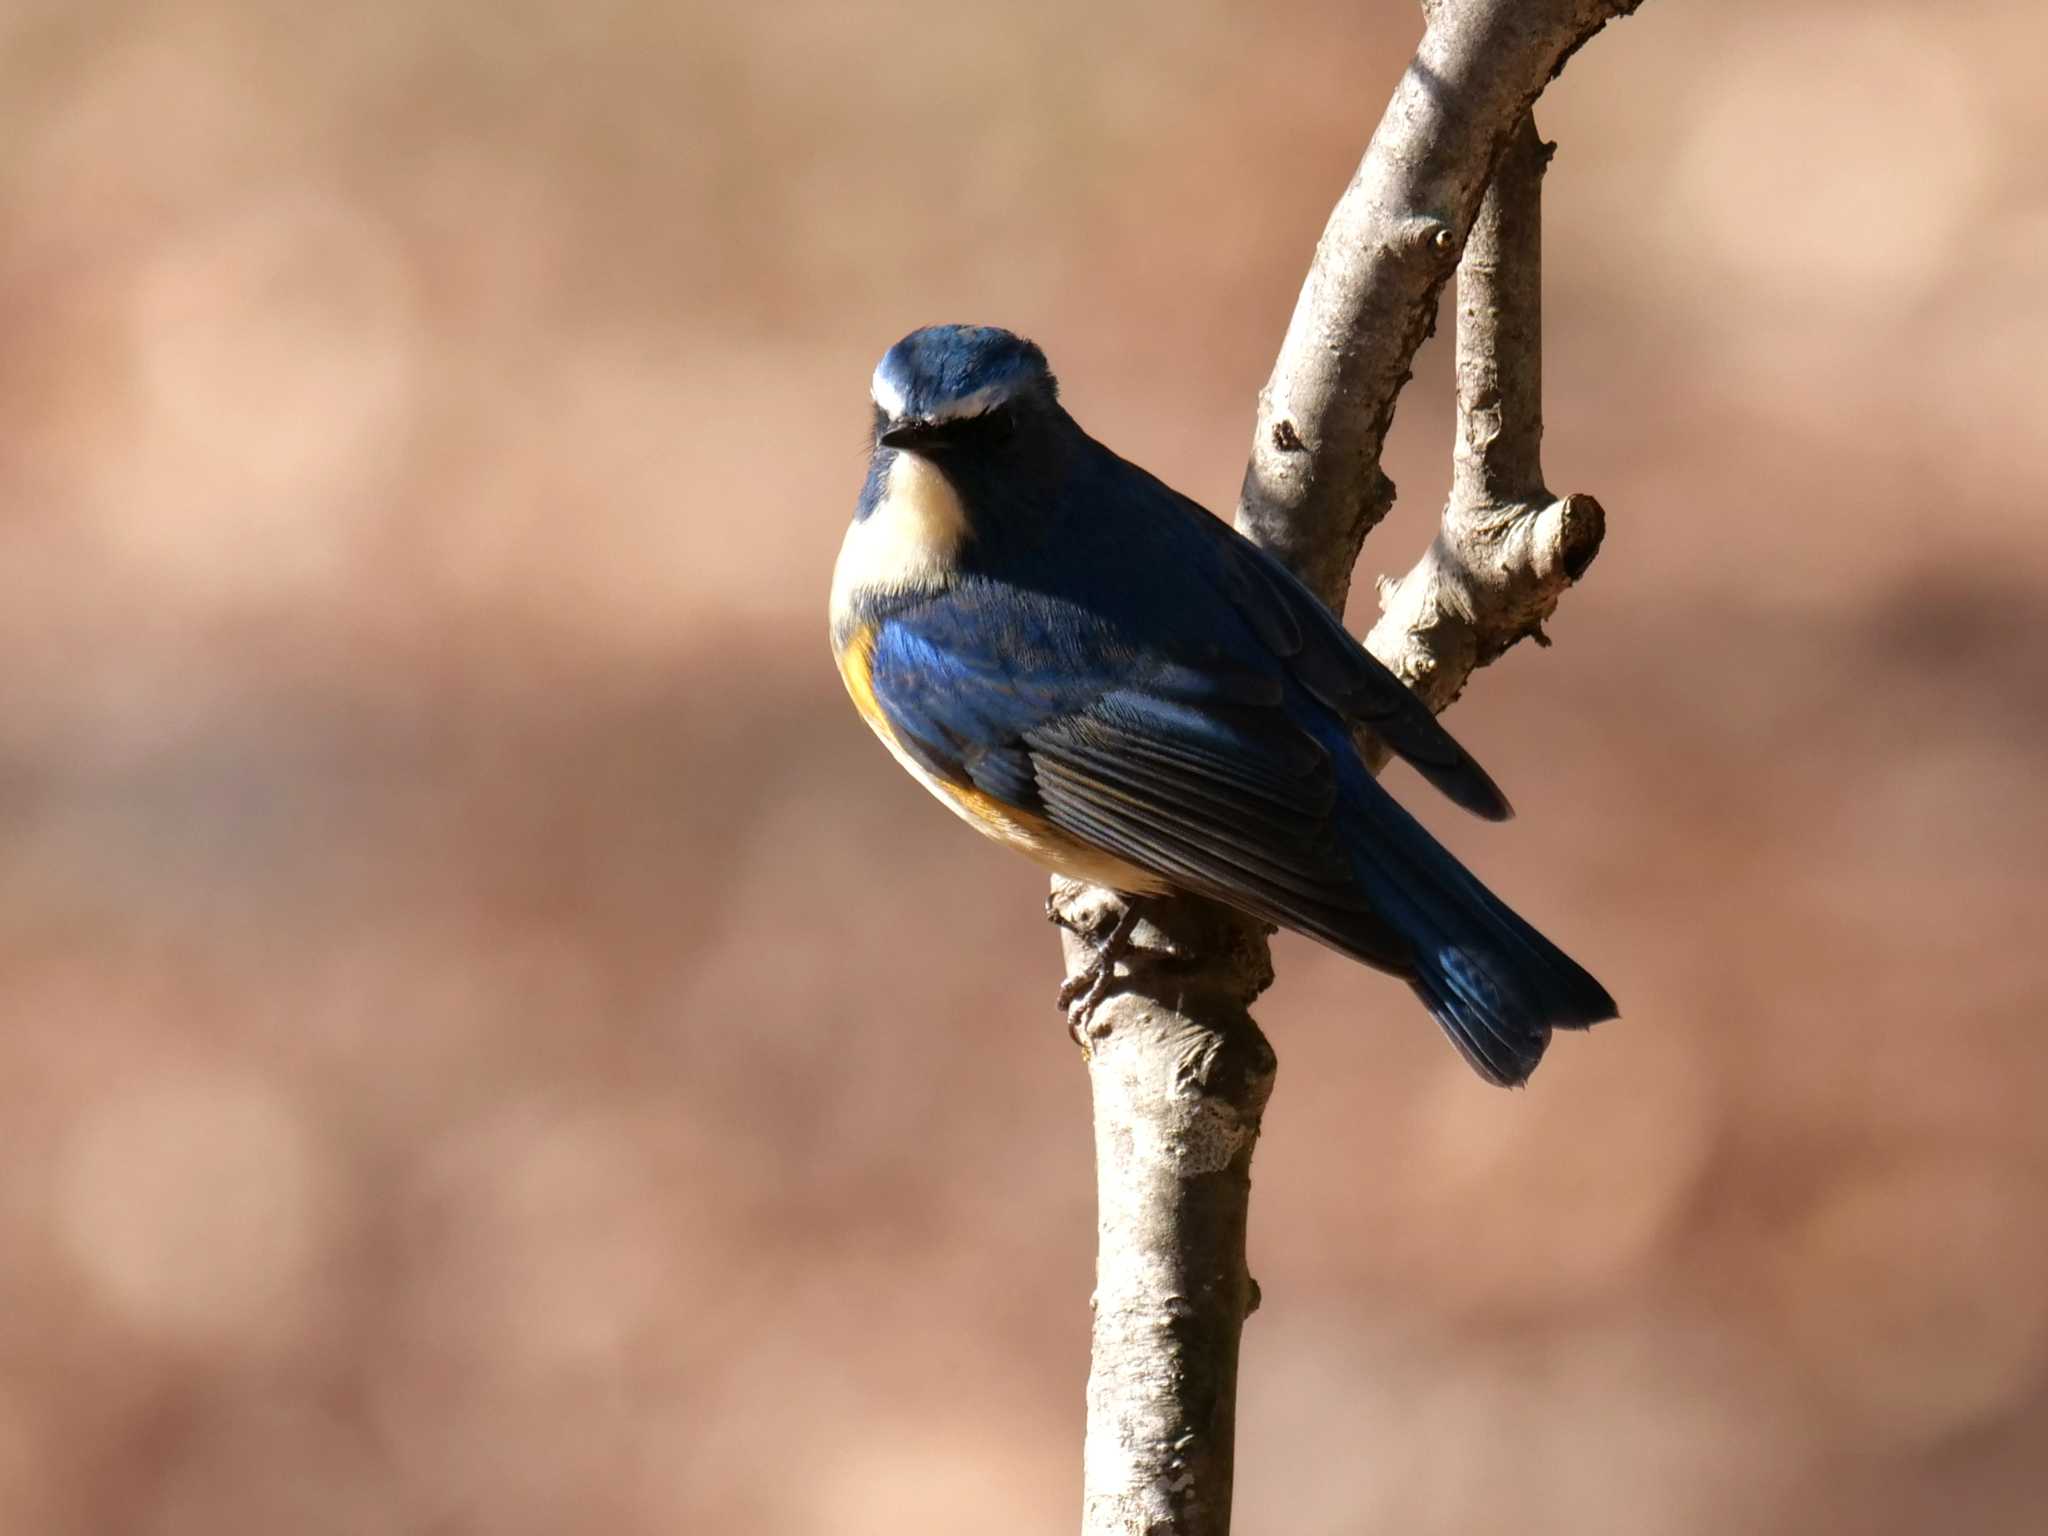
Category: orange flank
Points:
column 1026, row 831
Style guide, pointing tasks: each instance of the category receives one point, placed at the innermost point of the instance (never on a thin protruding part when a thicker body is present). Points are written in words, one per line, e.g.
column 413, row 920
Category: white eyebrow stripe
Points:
column 982, row 400
column 886, row 395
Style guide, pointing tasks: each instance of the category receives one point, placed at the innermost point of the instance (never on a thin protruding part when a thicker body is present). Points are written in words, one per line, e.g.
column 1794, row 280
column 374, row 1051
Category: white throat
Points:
column 910, row 541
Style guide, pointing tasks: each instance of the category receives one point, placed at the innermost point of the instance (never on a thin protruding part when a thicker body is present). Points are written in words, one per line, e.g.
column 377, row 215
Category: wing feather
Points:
column 1330, row 662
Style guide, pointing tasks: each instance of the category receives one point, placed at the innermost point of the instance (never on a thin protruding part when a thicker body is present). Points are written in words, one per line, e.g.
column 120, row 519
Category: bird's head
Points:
column 947, row 388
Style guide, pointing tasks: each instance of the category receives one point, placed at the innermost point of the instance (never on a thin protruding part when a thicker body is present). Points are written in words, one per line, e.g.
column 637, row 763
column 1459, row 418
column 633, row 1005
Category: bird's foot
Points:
column 1081, row 993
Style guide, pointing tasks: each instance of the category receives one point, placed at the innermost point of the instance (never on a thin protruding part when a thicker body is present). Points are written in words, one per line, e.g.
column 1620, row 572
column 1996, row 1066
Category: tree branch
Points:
column 1180, row 1073
column 1178, row 1091
column 1313, row 488
column 1507, row 549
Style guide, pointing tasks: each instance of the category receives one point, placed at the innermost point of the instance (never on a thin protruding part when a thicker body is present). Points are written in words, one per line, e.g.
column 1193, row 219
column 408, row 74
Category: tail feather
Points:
column 1495, row 984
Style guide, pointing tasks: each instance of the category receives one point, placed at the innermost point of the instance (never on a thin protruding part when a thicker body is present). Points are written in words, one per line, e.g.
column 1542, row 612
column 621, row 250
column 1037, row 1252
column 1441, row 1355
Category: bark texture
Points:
column 1180, row 1073
column 1313, row 487
column 1178, row 1091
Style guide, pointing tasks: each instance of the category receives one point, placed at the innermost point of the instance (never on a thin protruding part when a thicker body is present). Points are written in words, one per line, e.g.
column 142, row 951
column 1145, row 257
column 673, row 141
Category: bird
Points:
column 1099, row 672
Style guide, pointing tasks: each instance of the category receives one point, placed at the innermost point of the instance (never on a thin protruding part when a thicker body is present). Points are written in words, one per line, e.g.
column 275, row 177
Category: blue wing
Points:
column 1210, row 772
column 1318, row 652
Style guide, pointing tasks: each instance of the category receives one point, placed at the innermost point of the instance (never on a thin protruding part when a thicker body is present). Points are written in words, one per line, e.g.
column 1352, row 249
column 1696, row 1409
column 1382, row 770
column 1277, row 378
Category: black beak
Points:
column 907, row 435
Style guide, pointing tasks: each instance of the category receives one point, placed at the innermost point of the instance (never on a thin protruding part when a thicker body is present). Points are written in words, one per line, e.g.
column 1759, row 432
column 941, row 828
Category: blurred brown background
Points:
column 488, row 1044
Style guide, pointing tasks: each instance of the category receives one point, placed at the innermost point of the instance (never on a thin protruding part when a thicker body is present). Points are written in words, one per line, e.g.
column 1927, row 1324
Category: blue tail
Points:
column 1496, row 985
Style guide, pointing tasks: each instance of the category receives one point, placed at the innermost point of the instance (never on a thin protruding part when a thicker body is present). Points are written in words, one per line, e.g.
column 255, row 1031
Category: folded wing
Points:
column 1296, row 627
column 1203, row 776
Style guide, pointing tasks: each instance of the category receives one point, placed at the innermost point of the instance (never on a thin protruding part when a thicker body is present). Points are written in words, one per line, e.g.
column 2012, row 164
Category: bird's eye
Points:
column 997, row 426
column 978, row 433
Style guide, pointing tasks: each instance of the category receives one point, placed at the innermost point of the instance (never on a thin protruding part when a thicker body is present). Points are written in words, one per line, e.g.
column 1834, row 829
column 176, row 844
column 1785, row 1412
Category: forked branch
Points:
column 1313, row 487
column 1180, row 1073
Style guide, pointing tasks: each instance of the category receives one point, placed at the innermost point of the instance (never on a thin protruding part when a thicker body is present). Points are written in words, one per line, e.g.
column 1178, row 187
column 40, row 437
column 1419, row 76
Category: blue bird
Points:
column 1090, row 667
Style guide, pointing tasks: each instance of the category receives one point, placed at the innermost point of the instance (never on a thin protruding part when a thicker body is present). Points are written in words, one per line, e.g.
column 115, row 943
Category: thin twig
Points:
column 1507, row 548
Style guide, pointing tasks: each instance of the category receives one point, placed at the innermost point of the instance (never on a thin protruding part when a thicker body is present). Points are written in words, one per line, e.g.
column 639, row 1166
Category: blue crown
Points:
column 947, row 372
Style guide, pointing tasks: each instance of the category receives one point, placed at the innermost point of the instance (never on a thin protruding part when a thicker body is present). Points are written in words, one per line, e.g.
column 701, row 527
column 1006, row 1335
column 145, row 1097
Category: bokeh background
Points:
column 488, row 1044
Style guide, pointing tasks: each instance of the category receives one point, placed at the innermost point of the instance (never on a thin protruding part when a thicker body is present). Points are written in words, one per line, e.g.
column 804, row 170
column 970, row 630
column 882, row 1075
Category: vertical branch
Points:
column 1180, row 1073
column 1497, row 457
column 1178, row 1093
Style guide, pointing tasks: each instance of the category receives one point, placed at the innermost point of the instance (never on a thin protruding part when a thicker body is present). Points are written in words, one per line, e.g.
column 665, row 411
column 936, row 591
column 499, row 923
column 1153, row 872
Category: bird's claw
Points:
column 1083, row 992
column 1080, row 994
